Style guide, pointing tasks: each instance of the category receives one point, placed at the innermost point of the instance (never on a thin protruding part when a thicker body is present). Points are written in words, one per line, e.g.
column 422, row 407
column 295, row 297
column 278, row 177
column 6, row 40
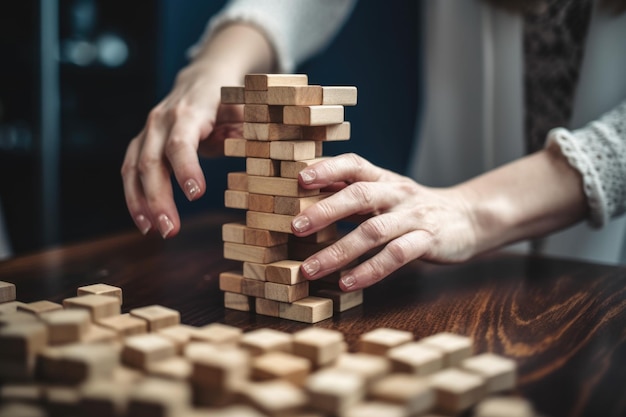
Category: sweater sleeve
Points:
column 598, row 152
column 296, row 29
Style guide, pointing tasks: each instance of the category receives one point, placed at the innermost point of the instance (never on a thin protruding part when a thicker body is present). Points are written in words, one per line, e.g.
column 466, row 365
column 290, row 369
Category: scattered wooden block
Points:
column 217, row 334
column 269, row 221
column 504, row 406
column 286, row 293
column 265, row 238
column 236, row 199
column 277, row 186
column 344, row 96
column 30, row 393
column 369, row 367
column 99, row 306
column 307, row 310
column 10, row 307
column 320, row 346
column 415, row 358
column 139, row 350
column 411, row 392
column 275, row 398
column 266, row 307
column 327, row 133
column 7, row 292
column 379, row 341
column 499, row 372
column 66, row 326
column 280, row 365
column 253, row 270
column 294, row 205
column 99, row 334
column 262, row 167
column 342, row 301
column 232, row 95
column 180, row 335
column 375, row 409
column 291, row 169
column 257, row 254
column 233, row 232
column 175, row 368
column 39, row 307
column 157, row 316
column 218, row 368
column 237, row 301
column 457, row 390
column 333, row 391
column 284, row 272
column 303, row 95
column 269, row 132
column 235, row 147
column 257, row 149
column 264, row 340
column 237, row 181
column 262, row 113
column 253, row 288
column 261, row 202
column 231, row 281
column 101, row 289
column 22, row 410
column 159, row 397
column 255, row 97
column 312, row 115
column 455, row 347
column 82, row 362
column 260, row 82
column 293, row 150
column 62, row 400
column 102, row 397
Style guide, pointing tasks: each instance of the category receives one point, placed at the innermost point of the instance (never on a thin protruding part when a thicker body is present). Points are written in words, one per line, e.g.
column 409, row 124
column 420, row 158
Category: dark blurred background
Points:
column 78, row 77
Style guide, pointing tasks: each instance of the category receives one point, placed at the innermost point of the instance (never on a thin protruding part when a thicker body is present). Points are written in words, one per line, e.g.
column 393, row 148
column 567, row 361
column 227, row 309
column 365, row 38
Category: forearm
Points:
column 530, row 197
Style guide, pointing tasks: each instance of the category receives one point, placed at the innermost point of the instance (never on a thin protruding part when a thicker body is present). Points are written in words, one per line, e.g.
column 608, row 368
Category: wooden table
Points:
column 563, row 321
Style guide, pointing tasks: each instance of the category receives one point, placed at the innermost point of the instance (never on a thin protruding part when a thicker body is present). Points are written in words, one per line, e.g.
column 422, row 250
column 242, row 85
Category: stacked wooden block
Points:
column 286, row 122
column 85, row 358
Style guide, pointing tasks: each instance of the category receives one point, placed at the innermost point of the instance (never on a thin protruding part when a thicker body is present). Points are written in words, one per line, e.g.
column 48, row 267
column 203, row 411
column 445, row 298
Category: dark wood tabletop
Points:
column 563, row 321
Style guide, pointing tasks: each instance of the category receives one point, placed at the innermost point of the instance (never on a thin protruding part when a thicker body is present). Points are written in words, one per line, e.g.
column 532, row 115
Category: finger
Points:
column 394, row 255
column 133, row 192
column 348, row 168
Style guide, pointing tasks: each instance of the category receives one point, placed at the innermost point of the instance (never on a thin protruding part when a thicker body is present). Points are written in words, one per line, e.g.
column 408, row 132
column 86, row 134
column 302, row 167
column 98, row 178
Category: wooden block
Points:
column 369, row 367
column 343, row 96
column 255, row 97
column 300, row 251
column 218, row 368
column 265, row 238
column 375, row 409
column 267, row 307
column 499, row 372
column 504, row 406
column 261, row 202
column 231, row 281
column 286, row 293
column 217, row 334
column 10, row 307
column 257, row 149
column 293, row 150
column 236, row 301
column 319, row 149
column 102, row 397
column 262, row 113
column 379, row 341
column 327, row 133
column 7, row 292
column 82, row 362
column 307, row 310
column 262, row 167
column 304, row 95
column 66, row 326
column 62, row 400
column 274, row 398
column 233, row 95
column 233, row 232
column 22, row 410
column 457, row 390
column 415, row 358
column 264, row 340
column 237, row 181
column 312, row 115
column 327, row 234
column 139, row 350
column 411, row 392
column 269, row 221
column 22, row 392
column 277, row 186
column 175, row 368
column 284, row 272
column 253, row 288
column 39, row 307
column 257, row 254
column 159, row 397
column 180, row 335
column 253, row 270
column 236, row 199
column 280, row 365
column 101, row 289
column 99, row 334
column 235, row 147
column 261, row 82
column 291, row 169
column 333, row 391
column 342, row 301
column 455, row 347
column 294, row 205
column 320, row 346
column 125, row 325
column 157, row 316
column 269, row 132
column 99, row 306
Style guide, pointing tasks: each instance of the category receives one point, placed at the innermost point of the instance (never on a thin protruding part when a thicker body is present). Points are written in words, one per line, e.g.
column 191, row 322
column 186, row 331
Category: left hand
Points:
column 409, row 221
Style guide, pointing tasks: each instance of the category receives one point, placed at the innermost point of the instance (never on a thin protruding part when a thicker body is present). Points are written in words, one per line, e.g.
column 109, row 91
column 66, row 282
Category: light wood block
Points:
column 277, row 186
column 379, row 341
column 262, row 82
column 101, row 289
column 82, row 362
column 504, row 406
column 99, row 306
column 232, row 95
column 19, row 345
column 22, row 410
column 286, row 293
column 231, row 281
column 255, row 97
column 157, row 316
column 269, row 221
column 17, row 317
column 411, row 392
column 217, row 334
column 284, row 272
column 7, row 292
column 99, row 334
column 236, row 199
column 9, row 307
column 270, row 132
column 237, row 181
column 455, row 347
column 139, row 350
column 293, row 150
column 333, row 391
column 369, row 367
column 327, row 234
column 375, row 409
column 66, row 326
column 261, row 202
column 180, row 335
column 499, row 372
column 327, row 133
column 312, row 115
column 415, row 358
column 262, row 167
column 307, row 310
column 257, row 149
column 319, row 149
column 342, row 301
column 253, row 270
column 457, row 390
column 304, row 95
column 266, row 307
column 343, row 96
column 320, row 346
column 218, row 368
column 62, row 400
column 40, row 307
column 235, row 147
column 253, row 288
column 257, row 254
column 280, row 365
column 233, row 232
column 262, row 113
column 291, row 169
column 265, row 238
column 275, row 398
column 236, row 301
column 265, row 340
column 293, row 206
column 159, row 397
column 102, row 397
column 175, row 368
column 30, row 393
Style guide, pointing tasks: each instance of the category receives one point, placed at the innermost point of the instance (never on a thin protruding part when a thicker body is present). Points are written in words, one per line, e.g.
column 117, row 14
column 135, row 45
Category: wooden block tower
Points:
column 286, row 121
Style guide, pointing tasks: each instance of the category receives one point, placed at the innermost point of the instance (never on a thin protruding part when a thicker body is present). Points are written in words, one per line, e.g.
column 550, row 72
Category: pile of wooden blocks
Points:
column 84, row 358
column 285, row 124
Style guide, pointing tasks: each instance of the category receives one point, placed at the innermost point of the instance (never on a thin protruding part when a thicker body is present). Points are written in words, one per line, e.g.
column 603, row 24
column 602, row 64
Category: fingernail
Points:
column 165, row 225
column 192, row 189
column 311, row 267
column 348, row 281
column 308, row 176
column 301, row 223
column 143, row 224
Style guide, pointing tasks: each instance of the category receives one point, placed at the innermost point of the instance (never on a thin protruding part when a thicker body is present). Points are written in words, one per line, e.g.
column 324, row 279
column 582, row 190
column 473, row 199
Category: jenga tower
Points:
column 286, row 122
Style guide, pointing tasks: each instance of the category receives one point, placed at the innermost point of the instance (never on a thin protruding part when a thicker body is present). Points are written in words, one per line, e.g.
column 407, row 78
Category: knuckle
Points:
column 375, row 229
column 174, row 144
column 361, row 192
column 376, row 269
column 338, row 252
column 155, row 116
column 147, row 163
column 399, row 251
